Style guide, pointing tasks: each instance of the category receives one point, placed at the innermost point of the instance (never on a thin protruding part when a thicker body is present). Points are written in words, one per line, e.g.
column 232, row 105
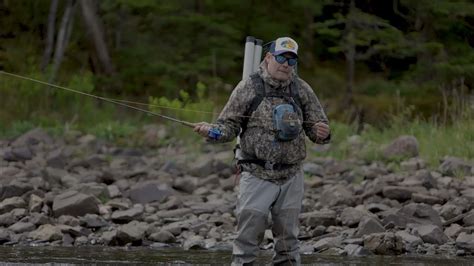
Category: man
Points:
column 272, row 110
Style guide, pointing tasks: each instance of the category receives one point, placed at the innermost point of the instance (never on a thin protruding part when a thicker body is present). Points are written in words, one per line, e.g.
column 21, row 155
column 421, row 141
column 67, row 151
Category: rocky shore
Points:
column 77, row 190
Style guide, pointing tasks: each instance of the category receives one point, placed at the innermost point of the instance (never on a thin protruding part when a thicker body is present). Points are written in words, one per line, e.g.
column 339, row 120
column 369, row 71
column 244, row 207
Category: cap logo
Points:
column 288, row 44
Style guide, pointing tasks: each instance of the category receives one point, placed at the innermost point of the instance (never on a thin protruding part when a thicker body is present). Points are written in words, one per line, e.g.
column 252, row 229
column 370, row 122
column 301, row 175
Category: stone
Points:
column 18, row 154
column 356, row 250
column 21, row 227
column 32, row 137
column 465, row 241
column 75, row 204
column 93, row 221
column 150, row 191
column 431, row 234
column 410, row 241
column 453, row 231
column 369, row 226
column 46, row 232
column 128, row 215
column 323, row 217
column 11, row 203
column 68, row 220
column 162, row 236
column 132, row 232
column 403, row 146
column 424, row 198
column 186, row 184
column 416, row 213
column 413, row 164
column 337, row 195
column 14, row 189
column 468, row 220
column 206, row 165
column 384, row 244
column 35, row 203
column 194, row 242
column 327, row 242
column 449, row 211
column 452, row 166
column 113, row 191
column 398, row 193
column 313, row 169
column 109, row 237
column 352, row 216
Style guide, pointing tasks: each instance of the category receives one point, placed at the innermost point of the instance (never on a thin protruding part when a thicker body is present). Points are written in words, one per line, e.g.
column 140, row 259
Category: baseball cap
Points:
column 284, row 45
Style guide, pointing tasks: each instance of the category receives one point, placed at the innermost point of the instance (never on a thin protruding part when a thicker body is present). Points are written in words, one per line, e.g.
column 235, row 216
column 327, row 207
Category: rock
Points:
column 468, row 220
column 94, row 189
column 11, row 203
column 194, row 242
column 352, row 216
column 403, row 146
column 46, row 232
column 187, row 184
column 369, row 226
column 21, row 227
column 413, row 164
column 466, row 242
column 377, row 207
column 416, row 213
column 410, row 241
column 75, row 204
column 109, row 237
column 162, row 236
column 126, row 216
column 4, row 236
column 313, row 182
column 323, row 217
column 422, row 178
column 313, row 169
column 35, row 204
column 173, row 213
column 384, row 244
column 93, row 221
column 18, row 154
column 113, row 191
column 453, row 231
column 205, row 166
column 431, row 234
column 150, row 191
column 120, row 204
column 132, row 232
column 57, row 159
column 32, row 137
column 337, row 195
column 326, row 243
column 398, row 193
column 423, row 198
column 356, row 250
column 452, row 166
column 14, row 189
column 449, row 211
column 68, row 220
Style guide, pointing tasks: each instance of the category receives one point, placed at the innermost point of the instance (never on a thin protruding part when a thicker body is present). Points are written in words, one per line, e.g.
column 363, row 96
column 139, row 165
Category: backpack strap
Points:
column 260, row 93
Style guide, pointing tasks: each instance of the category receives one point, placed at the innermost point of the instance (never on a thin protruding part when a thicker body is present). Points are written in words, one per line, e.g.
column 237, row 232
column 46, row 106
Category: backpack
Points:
column 260, row 94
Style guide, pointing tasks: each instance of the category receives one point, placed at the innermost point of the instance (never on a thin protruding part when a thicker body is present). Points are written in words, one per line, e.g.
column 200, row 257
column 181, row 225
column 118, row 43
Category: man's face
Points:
column 279, row 71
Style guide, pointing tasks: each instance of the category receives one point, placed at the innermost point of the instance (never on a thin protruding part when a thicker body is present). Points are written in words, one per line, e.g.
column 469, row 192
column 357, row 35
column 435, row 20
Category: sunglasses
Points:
column 281, row 60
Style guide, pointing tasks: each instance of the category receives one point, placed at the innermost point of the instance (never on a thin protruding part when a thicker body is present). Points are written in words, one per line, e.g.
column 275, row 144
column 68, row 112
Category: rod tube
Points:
column 248, row 57
column 257, row 56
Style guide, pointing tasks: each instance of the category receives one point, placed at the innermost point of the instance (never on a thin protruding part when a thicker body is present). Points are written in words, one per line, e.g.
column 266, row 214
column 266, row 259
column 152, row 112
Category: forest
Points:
column 367, row 60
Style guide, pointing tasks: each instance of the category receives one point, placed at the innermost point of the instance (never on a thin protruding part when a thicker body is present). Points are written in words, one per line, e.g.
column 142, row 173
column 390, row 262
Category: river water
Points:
column 154, row 256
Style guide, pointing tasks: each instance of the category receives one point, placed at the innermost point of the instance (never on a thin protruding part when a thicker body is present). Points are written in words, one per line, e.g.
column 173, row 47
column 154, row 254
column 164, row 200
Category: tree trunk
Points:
column 49, row 35
column 94, row 27
column 63, row 38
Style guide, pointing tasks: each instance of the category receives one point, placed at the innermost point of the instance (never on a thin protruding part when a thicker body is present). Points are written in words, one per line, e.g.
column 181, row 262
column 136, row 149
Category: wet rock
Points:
column 21, row 227
column 452, row 166
column 384, row 244
column 11, row 203
column 46, row 232
column 356, row 250
column 369, row 226
column 150, row 191
column 465, row 241
column 323, row 217
column 337, row 195
column 431, row 234
column 75, row 204
column 194, row 242
column 132, row 232
column 403, row 146
column 128, row 215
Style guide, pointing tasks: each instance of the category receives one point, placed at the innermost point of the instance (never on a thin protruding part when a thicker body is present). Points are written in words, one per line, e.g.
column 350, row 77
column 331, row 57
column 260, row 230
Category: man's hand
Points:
column 322, row 130
column 202, row 128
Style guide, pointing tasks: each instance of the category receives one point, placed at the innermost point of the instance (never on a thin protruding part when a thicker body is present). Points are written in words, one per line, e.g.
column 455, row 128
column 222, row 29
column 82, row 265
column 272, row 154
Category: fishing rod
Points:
column 185, row 123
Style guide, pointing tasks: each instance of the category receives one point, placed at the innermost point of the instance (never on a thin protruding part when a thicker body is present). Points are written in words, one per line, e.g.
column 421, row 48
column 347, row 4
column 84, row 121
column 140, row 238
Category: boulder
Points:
column 398, row 193
column 431, row 234
column 368, row 226
column 150, row 191
column 416, row 213
column 14, row 189
column 46, row 232
column 466, row 242
column 132, row 232
column 403, row 146
column 384, row 244
column 468, row 220
column 128, row 215
column 75, row 204
column 410, row 241
column 323, row 217
column 162, row 236
column 32, row 137
column 352, row 216
column 11, row 203
column 337, row 195
column 452, row 166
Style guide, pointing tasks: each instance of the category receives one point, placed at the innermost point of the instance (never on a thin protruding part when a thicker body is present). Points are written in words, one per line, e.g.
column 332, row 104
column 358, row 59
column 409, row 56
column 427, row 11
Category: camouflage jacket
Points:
column 258, row 141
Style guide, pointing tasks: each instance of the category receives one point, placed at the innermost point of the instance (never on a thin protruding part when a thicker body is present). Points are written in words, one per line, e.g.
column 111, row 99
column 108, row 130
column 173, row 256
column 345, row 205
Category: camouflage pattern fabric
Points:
column 259, row 140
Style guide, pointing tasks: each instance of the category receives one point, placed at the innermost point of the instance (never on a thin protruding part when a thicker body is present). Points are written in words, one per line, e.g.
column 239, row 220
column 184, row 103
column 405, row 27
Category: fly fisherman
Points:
column 272, row 110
